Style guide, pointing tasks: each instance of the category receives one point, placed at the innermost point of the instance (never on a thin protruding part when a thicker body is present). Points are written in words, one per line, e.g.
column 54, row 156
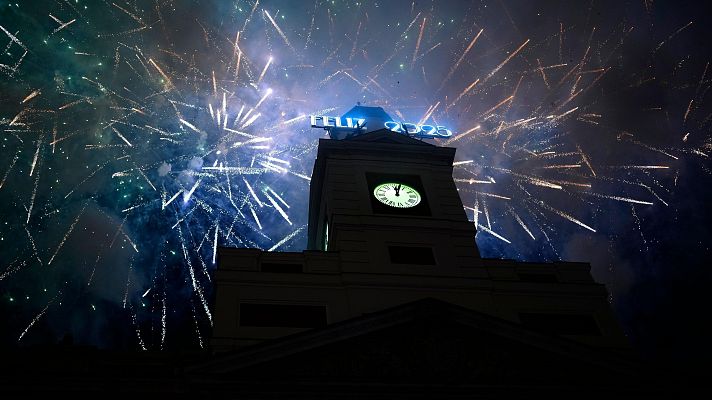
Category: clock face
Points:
column 397, row 195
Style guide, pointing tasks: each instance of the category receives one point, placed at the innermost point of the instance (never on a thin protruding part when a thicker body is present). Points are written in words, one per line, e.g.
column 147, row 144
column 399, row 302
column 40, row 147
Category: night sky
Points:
column 137, row 136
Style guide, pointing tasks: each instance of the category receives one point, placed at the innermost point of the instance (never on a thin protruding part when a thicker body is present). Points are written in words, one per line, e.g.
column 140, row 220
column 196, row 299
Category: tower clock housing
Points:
column 352, row 183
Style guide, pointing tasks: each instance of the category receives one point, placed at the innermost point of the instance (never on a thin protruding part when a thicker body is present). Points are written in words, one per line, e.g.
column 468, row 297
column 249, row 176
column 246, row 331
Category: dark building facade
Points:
column 368, row 252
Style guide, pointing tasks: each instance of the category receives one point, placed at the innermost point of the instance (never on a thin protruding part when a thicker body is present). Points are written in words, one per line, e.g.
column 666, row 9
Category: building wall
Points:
column 347, row 294
column 358, row 275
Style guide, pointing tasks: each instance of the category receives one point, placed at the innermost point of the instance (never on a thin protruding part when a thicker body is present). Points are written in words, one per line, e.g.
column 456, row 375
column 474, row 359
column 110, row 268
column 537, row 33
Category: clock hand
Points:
column 397, row 188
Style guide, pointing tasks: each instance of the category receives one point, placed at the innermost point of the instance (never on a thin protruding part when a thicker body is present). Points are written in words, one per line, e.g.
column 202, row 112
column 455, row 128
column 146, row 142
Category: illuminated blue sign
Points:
column 359, row 124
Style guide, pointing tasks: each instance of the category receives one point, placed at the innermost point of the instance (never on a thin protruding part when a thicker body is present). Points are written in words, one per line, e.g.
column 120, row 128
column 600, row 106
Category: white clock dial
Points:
column 397, row 195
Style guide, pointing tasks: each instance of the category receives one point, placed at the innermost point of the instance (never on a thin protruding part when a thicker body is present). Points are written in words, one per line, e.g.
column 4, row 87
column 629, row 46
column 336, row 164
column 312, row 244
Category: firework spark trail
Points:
column 12, row 165
column 639, row 167
column 31, row 96
column 520, row 221
column 286, row 239
column 36, row 318
column 252, row 192
column 137, row 329
column 493, row 233
column 585, row 160
column 169, row 83
column 34, row 159
column 506, row 60
column 118, row 230
column 564, row 215
column 13, row 38
column 130, row 241
column 32, row 243
column 86, row 179
column 264, row 71
column 163, row 313
column 11, row 269
column 486, row 210
column 672, row 36
column 651, row 148
column 196, row 287
column 69, row 232
column 238, row 58
column 417, row 43
column 472, row 181
column 463, row 93
column 281, row 200
column 640, row 229
column 277, row 206
column 531, row 179
column 135, row 17
column 250, row 121
column 498, row 105
column 619, row 198
column 32, row 198
column 428, row 113
column 353, row 49
column 215, row 243
column 462, row 135
column 476, row 210
column 197, row 326
column 284, row 37
column 397, row 46
column 462, row 57
column 264, row 97
column 189, row 194
column 305, row 177
column 62, row 25
column 164, row 203
column 496, row 196
column 121, row 136
column 96, row 262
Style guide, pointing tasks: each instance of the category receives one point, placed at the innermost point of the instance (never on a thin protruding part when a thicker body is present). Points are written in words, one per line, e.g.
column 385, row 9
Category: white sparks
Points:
column 252, row 192
column 286, row 239
column 166, row 203
column 187, row 196
column 69, row 232
column 215, row 243
column 493, row 233
column 276, row 205
column 278, row 197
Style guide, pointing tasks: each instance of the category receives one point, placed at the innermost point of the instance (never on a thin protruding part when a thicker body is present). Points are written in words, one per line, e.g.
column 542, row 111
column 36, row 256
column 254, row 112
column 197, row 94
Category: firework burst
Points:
column 139, row 138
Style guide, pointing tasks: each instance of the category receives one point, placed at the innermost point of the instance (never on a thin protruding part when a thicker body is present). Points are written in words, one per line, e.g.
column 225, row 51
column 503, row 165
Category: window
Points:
column 326, row 235
column 282, row 315
column 411, row 255
column 281, row 267
column 561, row 324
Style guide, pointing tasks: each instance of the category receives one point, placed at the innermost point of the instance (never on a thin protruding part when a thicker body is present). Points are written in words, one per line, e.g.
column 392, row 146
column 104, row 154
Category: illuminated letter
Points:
column 360, row 123
column 339, row 123
column 411, row 129
column 315, row 119
column 444, row 132
column 394, row 126
column 429, row 130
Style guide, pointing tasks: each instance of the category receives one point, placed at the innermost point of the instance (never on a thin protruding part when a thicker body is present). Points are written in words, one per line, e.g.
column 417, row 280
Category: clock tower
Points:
column 387, row 202
column 387, row 229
